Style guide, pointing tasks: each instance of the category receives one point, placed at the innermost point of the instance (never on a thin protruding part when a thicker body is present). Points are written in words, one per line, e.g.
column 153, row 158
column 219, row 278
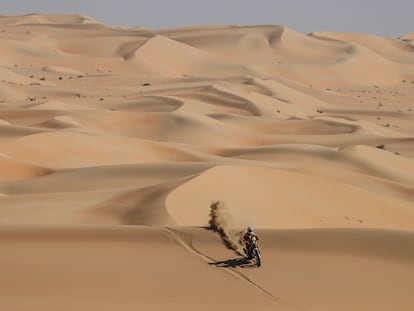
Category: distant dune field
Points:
column 114, row 143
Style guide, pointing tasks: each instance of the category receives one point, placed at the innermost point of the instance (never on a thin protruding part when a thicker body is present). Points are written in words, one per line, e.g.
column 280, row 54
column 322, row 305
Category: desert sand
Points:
column 115, row 141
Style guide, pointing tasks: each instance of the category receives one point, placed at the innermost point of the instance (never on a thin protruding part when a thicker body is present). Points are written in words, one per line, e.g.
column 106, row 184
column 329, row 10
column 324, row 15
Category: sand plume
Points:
column 225, row 222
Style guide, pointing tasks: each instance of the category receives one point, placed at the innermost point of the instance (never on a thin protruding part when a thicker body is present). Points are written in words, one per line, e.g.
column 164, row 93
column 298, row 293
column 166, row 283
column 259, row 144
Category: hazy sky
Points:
column 382, row 17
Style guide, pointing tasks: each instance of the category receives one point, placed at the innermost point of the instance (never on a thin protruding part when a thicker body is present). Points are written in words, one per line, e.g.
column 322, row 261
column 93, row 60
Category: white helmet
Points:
column 249, row 229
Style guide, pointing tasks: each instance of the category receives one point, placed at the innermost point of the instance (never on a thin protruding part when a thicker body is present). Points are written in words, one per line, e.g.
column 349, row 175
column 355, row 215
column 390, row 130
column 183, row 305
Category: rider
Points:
column 247, row 238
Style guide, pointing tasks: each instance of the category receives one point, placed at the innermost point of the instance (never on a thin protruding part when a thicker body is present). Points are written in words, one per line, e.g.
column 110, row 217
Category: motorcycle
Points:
column 253, row 251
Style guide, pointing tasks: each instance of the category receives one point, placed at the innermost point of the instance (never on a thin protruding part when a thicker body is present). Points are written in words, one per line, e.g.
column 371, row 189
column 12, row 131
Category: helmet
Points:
column 249, row 229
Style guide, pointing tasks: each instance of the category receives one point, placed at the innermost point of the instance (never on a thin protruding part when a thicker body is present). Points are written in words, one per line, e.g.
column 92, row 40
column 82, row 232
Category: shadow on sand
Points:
column 234, row 263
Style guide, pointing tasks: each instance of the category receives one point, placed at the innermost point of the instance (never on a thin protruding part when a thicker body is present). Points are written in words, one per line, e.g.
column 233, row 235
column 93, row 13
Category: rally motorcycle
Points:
column 253, row 252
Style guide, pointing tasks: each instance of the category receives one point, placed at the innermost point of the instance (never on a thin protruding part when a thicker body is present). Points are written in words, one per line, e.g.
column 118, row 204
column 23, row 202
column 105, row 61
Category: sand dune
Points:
column 75, row 263
column 394, row 49
column 115, row 141
column 272, row 202
column 11, row 169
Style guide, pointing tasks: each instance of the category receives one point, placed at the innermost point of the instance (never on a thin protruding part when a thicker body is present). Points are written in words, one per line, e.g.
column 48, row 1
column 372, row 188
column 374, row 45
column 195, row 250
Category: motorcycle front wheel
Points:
column 257, row 257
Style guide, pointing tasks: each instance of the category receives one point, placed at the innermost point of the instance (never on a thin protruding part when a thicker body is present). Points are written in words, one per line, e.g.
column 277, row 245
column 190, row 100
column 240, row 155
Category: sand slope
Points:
column 106, row 267
column 114, row 142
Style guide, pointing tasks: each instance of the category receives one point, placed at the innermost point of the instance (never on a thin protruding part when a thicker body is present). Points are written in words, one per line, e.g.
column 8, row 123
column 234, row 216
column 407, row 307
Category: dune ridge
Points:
column 130, row 158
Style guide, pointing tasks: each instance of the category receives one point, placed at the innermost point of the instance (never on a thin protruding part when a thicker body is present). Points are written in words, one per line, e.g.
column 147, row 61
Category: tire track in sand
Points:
column 188, row 245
